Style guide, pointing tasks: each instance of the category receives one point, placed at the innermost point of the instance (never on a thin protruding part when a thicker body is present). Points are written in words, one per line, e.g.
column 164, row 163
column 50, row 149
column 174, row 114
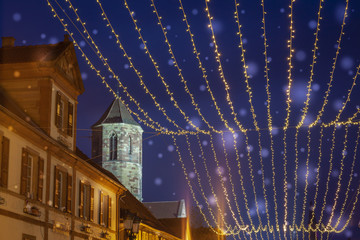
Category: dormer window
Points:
column 113, row 146
column 64, row 114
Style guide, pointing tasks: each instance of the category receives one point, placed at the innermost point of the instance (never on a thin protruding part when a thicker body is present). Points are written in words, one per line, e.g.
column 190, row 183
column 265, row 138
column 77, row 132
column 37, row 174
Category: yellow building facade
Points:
column 49, row 189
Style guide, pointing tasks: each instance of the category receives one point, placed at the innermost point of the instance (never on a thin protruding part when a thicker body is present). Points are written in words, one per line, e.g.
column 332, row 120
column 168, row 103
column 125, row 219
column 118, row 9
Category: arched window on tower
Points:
column 113, row 146
column 130, row 145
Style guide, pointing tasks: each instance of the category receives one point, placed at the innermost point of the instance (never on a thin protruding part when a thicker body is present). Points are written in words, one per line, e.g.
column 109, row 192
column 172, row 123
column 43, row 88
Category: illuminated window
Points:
column 62, row 190
column 64, row 114
column 86, row 201
column 105, row 210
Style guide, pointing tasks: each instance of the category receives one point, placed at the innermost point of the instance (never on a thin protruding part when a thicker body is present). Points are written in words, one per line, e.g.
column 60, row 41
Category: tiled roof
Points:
column 162, row 210
column 7, row 102
column 35, row 53
column 129, row 202
column 83, row 156
column 116, row 113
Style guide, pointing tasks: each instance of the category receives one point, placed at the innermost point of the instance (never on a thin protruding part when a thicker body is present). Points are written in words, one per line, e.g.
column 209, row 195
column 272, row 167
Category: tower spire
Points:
column 117, row 138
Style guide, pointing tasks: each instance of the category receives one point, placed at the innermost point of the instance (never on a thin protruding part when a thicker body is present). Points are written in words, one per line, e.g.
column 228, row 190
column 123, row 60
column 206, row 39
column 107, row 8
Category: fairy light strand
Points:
column 139, row 75
column 350, row 180
column 305, row 111
column 288, row 102
column 203, row 70
column 171, row 94
column 327, row 93
column 87, row 60
column 268, row 108
column 249, row 91
column 220, row 68
column 336, row 123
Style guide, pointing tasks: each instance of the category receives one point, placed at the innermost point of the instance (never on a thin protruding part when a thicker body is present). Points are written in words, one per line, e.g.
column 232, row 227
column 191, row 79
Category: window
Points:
column 86, row 201
column 64, row 114
column 4, row 161
column 62, row 190
column 32, row 175
column 113, row 146
column 105, row 210
column 130, row 145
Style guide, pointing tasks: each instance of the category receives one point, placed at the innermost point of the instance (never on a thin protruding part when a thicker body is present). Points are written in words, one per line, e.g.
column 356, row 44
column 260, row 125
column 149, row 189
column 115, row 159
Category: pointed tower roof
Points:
column 116, row 113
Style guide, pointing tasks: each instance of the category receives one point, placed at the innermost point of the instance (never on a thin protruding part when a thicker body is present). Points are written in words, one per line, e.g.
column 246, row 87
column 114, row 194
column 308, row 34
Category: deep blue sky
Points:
column 31, row 22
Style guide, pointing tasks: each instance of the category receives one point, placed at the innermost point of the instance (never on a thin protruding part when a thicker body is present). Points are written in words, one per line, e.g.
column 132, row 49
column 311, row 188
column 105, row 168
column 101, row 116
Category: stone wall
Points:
column 128, row 166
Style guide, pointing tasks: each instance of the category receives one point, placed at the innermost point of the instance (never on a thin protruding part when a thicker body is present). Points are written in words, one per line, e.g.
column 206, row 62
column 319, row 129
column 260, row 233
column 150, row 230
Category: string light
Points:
column 288, row 102
column 345, row 142
column 304, row 113
column 198, row 178
column 249, row 91
column 350, row 180
column 203, row 70
column 98, row 52
column 220, row 68
column 189, row 183
column 147, row 51
column 87, row 60
column 333, row 146
column 222, row 227
column 268, row 108
column 327, row 93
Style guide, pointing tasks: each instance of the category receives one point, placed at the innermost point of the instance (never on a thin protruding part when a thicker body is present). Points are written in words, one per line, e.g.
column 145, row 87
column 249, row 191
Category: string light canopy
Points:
column 235, row 201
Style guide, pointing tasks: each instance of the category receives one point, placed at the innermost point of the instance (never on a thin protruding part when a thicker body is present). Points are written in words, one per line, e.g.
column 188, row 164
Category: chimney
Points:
column 8, row 42
column 66, row 38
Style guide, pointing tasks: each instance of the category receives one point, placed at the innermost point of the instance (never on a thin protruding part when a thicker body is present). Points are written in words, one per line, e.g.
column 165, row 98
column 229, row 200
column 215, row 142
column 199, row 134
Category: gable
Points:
column 67, row 65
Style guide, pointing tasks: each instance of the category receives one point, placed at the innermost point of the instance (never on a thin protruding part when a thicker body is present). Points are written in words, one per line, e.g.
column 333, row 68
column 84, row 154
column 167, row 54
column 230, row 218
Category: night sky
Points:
column 32, row 22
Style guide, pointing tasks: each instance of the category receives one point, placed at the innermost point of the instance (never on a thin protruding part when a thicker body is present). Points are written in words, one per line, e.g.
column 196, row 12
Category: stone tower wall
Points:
column 128, row 166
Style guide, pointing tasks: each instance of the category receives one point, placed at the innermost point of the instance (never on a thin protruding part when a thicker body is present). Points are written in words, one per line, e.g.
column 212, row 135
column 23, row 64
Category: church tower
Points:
column 117, row 146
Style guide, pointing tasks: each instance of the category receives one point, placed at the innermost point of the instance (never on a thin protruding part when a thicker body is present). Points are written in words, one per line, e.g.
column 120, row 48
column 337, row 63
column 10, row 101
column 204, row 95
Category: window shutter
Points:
column 40, row 179
column 70, row 119
column 63, row 189
column 56, row 187
column 81, row 199
column 109, row 212
column 24, row 164
column 101, row 220
column 57, row 110
column 92, row 204
column 69, row 191
column 4, row 162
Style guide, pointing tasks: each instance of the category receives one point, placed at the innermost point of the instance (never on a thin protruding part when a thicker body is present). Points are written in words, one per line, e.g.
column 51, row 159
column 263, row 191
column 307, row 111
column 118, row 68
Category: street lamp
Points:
column 132, row 225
